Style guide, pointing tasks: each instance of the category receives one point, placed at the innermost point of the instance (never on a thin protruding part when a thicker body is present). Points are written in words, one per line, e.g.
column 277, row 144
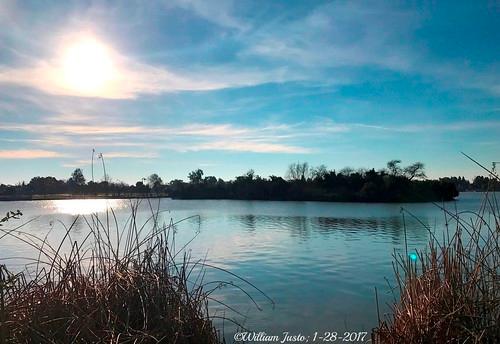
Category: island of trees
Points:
column 395, row 183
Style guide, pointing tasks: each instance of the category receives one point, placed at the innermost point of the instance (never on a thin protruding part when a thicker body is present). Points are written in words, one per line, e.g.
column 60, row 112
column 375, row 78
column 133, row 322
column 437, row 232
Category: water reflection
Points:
column 85, row 206
column 303, row 226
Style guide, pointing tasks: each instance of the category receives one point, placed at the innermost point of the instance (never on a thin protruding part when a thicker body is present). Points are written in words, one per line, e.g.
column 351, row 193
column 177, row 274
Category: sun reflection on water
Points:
column 86, row 206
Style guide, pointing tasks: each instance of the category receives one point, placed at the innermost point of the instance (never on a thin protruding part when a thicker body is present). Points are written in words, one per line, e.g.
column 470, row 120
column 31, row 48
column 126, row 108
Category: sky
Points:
column 171, row 86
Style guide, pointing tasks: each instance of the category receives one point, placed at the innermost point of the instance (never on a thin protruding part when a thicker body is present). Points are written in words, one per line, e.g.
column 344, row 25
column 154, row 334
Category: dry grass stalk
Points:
column 451, row 293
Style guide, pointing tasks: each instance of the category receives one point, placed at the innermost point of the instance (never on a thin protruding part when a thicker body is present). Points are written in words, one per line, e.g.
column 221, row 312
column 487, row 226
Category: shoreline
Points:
column 57, row 197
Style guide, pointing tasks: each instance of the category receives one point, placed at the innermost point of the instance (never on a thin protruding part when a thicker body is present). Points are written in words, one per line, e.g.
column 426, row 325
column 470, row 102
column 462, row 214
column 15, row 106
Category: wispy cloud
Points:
column 130, row 79
column 110, row 155
column 439, row 127
column 340, row 34
column 131, row 155
column 80, row 129
column 29, row 154
column 247, row 146
column 149, row 141
column 193, row 137
column 219, row 12
column 357, row 35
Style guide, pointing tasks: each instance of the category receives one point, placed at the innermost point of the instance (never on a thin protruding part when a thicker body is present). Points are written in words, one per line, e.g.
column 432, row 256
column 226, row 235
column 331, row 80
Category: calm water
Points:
column 319, row 262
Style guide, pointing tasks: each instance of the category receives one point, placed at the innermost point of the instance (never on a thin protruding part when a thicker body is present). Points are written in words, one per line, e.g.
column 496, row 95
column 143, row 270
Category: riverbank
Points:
column 53, row 197
column 57, row 197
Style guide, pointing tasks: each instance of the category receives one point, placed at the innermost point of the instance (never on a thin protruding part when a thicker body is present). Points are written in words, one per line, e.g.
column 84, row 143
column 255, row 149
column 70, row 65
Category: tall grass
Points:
column 127, row 285
column 451, row 292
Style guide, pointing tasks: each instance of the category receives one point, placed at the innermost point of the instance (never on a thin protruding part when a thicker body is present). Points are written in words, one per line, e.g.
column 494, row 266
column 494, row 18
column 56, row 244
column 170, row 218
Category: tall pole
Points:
column 103, row 167
column 92, row 164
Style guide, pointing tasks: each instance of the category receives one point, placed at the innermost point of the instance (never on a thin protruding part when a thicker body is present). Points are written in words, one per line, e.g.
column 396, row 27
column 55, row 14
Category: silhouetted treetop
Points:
column 196, row 176
column 298, row 171
column 77, row 177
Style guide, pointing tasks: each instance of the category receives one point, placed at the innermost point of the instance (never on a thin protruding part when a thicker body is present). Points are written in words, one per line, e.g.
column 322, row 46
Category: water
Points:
column 319, row 262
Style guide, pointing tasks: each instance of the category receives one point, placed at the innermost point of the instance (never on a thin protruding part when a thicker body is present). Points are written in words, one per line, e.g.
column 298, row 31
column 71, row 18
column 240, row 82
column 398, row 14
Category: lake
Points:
column 319, row 262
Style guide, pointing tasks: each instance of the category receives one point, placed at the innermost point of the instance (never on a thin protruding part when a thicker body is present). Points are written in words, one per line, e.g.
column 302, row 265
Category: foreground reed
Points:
column 126, row 286
column 450, row 293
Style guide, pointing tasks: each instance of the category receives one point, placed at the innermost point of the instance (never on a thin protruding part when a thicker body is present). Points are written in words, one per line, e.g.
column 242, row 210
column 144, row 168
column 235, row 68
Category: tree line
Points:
column 301, row 182
column 394, row 183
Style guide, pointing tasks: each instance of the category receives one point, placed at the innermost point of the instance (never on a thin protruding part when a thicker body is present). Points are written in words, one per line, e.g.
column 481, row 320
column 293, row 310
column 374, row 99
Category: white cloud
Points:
column 439, row 127
column 152, row 139
column 29, row 154
column 130, row 155
column 248, row 146
column 147, row 142
column 340, row 34
column 130, row 80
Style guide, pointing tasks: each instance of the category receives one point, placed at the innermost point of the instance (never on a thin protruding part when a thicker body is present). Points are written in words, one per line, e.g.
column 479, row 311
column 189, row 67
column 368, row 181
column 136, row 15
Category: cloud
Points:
column 149, row 141
column 152, row 139
column 248, row 146
column 29, row 154
column 440, row 127
column 347, row 36
column 219, row 12
column 81, row 129
column 71, row 118
column 326, row 43
column 340, row 34
column 132, row 78
column 130, row 155
column 110, row 155
column 129, row 80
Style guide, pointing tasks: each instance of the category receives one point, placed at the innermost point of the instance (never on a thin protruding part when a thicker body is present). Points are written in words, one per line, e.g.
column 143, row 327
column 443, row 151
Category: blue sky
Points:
column 231, row 85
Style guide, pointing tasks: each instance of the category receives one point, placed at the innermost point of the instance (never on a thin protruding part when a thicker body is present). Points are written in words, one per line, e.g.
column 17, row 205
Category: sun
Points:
column 87, row 65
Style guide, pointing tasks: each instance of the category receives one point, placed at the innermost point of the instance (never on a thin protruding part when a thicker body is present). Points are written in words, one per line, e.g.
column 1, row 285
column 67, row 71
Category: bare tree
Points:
column 394, row 168
column 298, row 171
column 415, row 171
column 319, row 172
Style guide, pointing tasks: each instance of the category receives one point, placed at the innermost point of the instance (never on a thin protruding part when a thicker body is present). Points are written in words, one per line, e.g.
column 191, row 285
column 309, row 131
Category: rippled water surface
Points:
column 319, row 262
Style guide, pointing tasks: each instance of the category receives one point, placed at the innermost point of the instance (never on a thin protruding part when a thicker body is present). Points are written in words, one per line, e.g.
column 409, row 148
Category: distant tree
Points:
column 482, row 183
column 141, row 188
column 77, row 177
column 319, row 173
column 196, row 176
column 106, row 178
column 346, row 171
column 415, row 171
column 45, row 185
column 210, row 180
column 298, row 171
column 394, row 168
column 250, row 174
column 362, row 171
column 155, row 182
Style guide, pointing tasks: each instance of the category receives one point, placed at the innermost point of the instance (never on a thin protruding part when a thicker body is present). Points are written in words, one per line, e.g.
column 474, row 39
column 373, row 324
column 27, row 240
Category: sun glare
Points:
column 86, row 206
column 87, row 65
